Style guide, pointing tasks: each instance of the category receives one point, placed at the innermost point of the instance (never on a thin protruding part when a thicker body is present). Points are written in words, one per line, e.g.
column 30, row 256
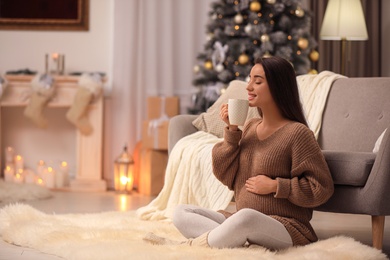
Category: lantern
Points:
column 123, row 172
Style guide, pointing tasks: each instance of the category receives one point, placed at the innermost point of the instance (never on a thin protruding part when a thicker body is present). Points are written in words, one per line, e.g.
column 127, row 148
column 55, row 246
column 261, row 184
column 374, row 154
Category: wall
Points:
column 84, row 50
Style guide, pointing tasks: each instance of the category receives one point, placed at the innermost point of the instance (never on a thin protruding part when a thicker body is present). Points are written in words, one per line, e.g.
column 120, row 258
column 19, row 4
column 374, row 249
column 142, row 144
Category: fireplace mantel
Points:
column 89, row 147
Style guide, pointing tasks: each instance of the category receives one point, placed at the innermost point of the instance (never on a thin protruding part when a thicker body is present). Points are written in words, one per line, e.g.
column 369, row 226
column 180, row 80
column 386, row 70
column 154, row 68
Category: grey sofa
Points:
column 356, row 113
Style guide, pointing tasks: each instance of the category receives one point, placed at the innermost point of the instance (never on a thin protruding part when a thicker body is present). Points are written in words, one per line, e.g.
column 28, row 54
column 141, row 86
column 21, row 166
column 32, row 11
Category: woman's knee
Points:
column 179, row 215
column 246, row 218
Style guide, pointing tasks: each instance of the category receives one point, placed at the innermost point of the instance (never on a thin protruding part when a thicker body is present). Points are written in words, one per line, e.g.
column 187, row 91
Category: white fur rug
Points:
column 13, row 192
column 118, row 235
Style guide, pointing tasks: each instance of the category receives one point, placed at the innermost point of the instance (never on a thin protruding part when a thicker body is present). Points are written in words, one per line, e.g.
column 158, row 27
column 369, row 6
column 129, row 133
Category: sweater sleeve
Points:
column 225, row 157
column 311, row 183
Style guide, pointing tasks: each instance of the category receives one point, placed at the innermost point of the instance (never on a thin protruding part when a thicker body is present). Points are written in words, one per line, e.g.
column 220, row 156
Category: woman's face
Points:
column 258, row 90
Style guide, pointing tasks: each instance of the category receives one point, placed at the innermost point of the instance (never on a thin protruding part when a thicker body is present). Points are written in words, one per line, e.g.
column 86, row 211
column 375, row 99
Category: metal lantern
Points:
column 123, row 172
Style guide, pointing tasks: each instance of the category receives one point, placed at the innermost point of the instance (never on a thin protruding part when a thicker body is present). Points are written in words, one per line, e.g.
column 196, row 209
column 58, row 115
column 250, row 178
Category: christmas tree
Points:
column 239, row 31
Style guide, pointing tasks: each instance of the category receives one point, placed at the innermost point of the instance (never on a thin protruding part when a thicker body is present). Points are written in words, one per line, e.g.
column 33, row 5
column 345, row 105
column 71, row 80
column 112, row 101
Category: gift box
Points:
column 158, row 107
column 152, row 171
column 155, row 134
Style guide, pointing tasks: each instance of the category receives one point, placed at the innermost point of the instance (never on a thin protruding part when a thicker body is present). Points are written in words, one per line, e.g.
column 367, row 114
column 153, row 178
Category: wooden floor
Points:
column 325, row 224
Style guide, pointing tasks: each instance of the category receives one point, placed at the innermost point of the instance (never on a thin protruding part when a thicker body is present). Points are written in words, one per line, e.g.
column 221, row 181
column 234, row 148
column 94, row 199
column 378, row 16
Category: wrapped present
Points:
column 155, row 134
column 162, row 107
column 152, row 171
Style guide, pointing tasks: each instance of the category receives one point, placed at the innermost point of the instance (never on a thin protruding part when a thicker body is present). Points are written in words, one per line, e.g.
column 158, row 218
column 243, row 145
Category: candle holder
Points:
column 59, row 63
column 123, row 172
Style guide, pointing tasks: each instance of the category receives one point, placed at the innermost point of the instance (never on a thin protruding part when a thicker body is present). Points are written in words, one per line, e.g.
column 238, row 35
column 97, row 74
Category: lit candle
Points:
column 18, row 178
column 54, row 56
column 49, row 177
column 40, row 168
column 19, row 162
column 9, row 173
column 9, row 154
column 64, row 172
column 40, row 182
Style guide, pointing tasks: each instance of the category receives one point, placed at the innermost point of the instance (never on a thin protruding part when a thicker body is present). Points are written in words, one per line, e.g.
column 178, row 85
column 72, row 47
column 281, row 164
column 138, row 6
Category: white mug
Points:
column 238, row 110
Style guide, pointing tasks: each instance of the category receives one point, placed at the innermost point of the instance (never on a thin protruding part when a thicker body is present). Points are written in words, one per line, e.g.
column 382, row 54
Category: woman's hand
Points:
column 224, row 114
column 261, row 184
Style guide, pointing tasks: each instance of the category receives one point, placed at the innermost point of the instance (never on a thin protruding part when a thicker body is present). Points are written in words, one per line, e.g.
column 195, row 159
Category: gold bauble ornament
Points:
column 303, row 43
column 313, row 72
column 314, row 55
column 243, row 59
column 299, row 12
column 264, row 38
column 208, row 65
column 255, row 6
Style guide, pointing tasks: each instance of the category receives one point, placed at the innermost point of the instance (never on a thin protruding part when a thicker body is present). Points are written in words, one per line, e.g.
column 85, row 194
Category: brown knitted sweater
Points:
column 292, row 156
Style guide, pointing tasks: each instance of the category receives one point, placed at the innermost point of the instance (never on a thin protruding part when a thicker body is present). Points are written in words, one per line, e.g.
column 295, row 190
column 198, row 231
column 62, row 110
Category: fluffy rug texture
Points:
column 13, row 192
column 118, row 235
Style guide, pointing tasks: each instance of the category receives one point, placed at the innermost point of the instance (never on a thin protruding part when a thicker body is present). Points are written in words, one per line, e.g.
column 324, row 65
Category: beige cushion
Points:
column 210, row 120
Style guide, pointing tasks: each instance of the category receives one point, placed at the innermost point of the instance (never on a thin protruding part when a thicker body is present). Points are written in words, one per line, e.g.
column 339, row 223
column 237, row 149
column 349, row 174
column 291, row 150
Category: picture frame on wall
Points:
column 62, row 15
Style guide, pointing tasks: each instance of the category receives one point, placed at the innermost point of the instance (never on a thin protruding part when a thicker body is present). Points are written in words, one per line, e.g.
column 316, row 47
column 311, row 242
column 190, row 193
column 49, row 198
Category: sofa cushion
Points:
column 349, row 168
column 210, row 120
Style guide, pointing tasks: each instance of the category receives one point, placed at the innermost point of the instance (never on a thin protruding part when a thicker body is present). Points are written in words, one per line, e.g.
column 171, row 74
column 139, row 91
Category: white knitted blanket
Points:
column 313, row 91
column 189, row 179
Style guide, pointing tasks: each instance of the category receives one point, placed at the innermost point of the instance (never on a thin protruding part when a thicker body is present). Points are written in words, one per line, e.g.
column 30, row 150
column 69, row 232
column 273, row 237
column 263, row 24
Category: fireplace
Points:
column 84, row 150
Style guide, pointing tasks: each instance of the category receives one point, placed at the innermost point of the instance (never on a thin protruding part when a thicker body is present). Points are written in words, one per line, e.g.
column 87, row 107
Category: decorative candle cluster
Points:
column 46, row 174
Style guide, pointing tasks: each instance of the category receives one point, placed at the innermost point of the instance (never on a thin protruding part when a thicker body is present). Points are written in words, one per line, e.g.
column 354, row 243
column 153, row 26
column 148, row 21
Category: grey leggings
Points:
column 246, row 225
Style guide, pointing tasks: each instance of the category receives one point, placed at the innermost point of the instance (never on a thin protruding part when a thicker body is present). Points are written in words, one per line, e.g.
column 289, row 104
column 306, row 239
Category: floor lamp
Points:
column 344, row 21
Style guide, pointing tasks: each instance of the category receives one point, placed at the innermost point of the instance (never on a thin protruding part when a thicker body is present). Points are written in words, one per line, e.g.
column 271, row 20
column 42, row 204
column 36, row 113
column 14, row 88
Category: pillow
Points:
column 210, row 121
column 378, row 142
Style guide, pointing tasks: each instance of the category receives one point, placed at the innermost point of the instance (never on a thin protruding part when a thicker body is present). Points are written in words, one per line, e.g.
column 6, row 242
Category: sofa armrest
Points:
column 378, row 183
column 180, row 126
column 373, row 198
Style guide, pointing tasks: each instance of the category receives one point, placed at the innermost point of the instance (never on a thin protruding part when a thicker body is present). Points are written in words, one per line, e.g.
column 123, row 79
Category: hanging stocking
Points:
column 90, row 86
column 43, row 90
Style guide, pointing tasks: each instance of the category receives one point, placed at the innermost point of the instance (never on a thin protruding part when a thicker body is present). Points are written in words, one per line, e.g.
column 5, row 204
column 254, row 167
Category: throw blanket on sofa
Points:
column 313, row 91
column 189, row 179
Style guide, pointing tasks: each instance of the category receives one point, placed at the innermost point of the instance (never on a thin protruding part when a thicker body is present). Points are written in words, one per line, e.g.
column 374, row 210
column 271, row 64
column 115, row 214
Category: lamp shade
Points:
column 344, row 19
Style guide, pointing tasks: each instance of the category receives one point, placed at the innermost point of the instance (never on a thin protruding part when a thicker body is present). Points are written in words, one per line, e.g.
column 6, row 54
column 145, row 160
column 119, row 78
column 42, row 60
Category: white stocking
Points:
column 90, row 86
column 78, row 112
column 43, row 90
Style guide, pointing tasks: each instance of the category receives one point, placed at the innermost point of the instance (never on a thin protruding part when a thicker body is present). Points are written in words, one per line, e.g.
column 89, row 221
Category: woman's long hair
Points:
column 283, row 86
